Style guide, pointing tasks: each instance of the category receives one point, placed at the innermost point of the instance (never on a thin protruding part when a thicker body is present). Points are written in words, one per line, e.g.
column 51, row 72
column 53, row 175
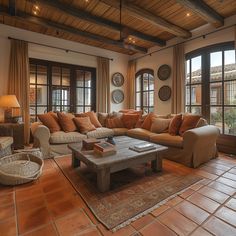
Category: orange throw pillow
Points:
column 84, row 124
column 175, row 124
column 130, row 120
column 148, row 121
column 189, row 122
column 49, row 121
column 66, row 122
column 140, row 121
column 114, row 123
column 92, row 116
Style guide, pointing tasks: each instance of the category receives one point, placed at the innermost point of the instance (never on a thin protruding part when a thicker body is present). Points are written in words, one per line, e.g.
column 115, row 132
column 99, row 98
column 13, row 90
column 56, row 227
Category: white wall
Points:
column 119, row 63
column 165, row 56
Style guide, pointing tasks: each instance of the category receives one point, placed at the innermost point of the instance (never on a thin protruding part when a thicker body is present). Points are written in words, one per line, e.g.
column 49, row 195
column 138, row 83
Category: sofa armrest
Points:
column 202, row 143
column 41, row 136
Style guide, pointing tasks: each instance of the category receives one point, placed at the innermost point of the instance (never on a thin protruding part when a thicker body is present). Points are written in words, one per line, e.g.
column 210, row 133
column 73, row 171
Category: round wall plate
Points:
column 164, row 93
column 117, row 96
column 117, row 79
column 163, row 72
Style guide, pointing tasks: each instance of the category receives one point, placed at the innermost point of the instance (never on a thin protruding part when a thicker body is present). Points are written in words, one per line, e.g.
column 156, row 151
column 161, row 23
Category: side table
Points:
column 17, row 129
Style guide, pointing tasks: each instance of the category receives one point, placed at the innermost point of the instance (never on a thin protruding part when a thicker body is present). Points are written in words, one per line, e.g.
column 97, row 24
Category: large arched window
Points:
column 210, row 85
column 144, row 90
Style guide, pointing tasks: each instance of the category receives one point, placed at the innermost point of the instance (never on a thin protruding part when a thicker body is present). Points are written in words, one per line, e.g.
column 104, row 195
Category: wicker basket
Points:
column 20, row 168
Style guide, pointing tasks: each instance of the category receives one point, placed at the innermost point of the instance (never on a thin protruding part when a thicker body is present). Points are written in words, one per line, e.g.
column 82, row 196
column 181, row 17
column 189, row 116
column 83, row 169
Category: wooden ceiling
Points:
column 144, row 23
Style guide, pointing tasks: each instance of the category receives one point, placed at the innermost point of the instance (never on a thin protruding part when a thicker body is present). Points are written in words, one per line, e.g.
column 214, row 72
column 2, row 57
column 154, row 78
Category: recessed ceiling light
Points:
column 36, row 7
column 133, row 41
column 130, row 38
column 188, row 14
column 87, row 1
column 35, row 12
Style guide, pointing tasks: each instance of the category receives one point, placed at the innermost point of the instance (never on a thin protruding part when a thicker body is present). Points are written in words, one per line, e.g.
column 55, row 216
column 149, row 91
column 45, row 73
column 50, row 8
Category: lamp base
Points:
column 9, row 118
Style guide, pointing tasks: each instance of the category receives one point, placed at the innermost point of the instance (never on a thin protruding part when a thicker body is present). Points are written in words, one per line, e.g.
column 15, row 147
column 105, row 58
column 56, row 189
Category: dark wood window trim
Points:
column 140, row 73
column 225, row 142
column 72, row 86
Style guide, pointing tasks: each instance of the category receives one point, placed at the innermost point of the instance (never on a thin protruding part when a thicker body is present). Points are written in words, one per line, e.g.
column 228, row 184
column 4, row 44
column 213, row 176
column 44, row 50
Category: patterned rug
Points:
column 134, row 192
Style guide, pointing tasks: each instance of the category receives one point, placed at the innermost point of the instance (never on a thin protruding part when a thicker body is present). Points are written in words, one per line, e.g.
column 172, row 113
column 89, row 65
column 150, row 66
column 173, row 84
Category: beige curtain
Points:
column 18, row 82
column 103, row 85
column 178, row 79
column 131, row 84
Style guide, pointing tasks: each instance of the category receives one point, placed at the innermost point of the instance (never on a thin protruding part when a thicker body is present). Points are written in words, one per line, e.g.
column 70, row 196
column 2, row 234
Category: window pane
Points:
column 145, row 82
column 151, row 82
column 138, row 83
column 87, row 109
column 56, row 75
column 187, row 109
column 230, row 120
column 187, row 95
column 41, row 74
column 196, row 75
column 230, row 92
column 32, row 111
column 216, row 93
column 196, row 110
column 41, row 110
column 145, row 99
column 87, row 96
column 79, row 78
column 216, row 117
column 196, row 95
column 145, row 110
column 88, row 78
column 65, row 77
column 151, row 98
column 216, row 66
column 187, row 76
column 42, row 95
column 32, row 95
column 151, row 109
column 65, row 109
column 32, row 73
column 79, row 96
column 138, row 99
column 230, row 65
column 56, row 97
column 65, row 97
column 79, row 109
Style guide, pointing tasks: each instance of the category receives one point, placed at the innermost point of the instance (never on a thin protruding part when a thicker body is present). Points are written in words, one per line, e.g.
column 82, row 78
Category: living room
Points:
column 153, row 82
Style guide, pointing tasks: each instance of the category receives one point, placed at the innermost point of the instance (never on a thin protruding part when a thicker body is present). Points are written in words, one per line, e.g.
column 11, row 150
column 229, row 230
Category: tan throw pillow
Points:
column 93, row 118
column 189, row 122
column 201, row 122
column 102, row 117
column 160, row 125
column 84, row 124
column 114, row 123
column 66, row 122
column 49, row 121
column 175, row 124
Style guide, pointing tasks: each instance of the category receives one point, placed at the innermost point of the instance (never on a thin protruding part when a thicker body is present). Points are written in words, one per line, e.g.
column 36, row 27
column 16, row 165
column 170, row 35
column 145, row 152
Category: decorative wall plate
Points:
column 117, row 79
column 117, row 96
column 164, row 93
column 163, row 72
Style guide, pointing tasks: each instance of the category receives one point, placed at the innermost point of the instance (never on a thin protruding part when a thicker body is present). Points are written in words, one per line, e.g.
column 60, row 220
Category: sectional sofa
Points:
column 194, row 147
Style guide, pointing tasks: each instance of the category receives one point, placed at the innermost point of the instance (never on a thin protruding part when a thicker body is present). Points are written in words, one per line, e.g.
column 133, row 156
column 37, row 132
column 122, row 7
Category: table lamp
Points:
column 8, row 102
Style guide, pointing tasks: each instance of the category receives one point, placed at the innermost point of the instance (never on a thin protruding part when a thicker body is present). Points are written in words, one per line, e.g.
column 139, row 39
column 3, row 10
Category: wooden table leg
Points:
column 103, row 180
column 75, row 161
column 157, row 164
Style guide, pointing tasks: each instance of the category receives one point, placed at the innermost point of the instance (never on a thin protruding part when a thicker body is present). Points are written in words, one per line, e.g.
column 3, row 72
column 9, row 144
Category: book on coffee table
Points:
column 104, row 149
column 143, row 147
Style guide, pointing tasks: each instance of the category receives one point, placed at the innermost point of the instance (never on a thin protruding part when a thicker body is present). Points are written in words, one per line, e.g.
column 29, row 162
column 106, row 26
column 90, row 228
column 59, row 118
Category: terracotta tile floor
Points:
column 50, row 206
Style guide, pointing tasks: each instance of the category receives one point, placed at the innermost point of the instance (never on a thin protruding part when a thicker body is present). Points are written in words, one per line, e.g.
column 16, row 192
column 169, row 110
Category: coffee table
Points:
column 123, row 159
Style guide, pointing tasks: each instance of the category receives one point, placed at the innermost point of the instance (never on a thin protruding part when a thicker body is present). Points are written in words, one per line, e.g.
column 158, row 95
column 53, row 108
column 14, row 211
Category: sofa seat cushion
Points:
column 100, row 133
column 140, row 133
column 69, row 137
column 120, row 131
column 5, row 142
column 167, row 140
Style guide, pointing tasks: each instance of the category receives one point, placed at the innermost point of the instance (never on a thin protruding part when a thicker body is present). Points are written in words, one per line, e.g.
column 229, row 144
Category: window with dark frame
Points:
column 144, row 90
column 61, row 87
column 210, row 85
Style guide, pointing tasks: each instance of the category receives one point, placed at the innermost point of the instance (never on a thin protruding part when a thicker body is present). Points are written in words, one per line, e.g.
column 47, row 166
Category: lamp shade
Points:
column 9, row 101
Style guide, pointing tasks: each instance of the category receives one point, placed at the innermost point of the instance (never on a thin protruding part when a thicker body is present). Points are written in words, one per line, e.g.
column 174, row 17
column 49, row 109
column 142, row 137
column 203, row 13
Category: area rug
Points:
column 134, row 192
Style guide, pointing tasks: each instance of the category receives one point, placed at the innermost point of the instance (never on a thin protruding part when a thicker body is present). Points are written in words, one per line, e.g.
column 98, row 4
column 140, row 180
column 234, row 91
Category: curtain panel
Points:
column 103, row 85
column 18, row 82
column 178, row 88
column 131, row 84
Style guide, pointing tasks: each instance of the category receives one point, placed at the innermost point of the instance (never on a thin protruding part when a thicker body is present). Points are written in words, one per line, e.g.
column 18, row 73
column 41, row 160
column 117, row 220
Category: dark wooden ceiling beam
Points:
column 204, row 11
column 145, row 15
column 99, row 20
column 59, row 27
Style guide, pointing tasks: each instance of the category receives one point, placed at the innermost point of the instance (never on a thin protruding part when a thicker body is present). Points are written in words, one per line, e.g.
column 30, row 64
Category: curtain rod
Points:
column 200, row 36
column 63, row 49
